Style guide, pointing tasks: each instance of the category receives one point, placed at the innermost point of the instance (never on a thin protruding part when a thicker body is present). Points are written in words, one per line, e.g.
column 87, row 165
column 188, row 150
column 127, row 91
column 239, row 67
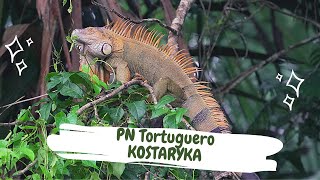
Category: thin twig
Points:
column 30, row 123
column 154, row 20
column 188, row 125
column 256, row 67
column 10, row 106
column 276, row 8
column 96, row 114
column 150, row 89
column 21, row 172
column 18, row 102
column 11, row 123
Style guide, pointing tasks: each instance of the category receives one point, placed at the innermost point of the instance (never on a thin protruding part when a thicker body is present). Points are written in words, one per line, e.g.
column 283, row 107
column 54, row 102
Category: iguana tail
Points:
column 204, row 110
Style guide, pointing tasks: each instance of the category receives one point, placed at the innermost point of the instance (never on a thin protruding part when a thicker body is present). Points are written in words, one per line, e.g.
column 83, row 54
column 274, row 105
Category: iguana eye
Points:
column 106, row 49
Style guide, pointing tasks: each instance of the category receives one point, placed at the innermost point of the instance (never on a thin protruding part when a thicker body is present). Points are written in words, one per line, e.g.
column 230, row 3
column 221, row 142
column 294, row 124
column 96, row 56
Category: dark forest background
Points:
column 241, row 45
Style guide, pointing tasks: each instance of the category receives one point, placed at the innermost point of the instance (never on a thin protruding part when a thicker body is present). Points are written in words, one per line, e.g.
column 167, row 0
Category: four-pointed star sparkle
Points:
column 8, row 46
column 29, row 41
column 279, row 77
column 295, row 88
column 290, row 102
column 21, row 66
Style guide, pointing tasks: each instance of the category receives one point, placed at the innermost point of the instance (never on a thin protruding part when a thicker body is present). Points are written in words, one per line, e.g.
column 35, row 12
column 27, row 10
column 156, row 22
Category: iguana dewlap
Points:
column 131, row 51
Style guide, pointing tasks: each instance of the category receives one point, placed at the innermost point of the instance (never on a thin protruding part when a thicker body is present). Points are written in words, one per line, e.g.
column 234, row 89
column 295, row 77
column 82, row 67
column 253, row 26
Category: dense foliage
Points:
column 67, row 91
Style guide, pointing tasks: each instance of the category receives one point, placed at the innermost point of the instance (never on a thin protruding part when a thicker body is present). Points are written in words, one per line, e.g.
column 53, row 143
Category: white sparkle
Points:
column 13, row 54
column 296, row 89
column 29, row 41
column 20, row 69
column 279, row 77
column 285, row 101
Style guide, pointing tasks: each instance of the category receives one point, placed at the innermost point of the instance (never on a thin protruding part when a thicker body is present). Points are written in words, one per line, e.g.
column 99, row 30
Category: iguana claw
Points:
column 138, row 76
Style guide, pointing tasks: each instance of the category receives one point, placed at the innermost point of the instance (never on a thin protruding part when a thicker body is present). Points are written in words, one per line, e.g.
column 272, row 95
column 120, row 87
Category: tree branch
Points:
column 63, row 35
column 177, row 22
column 256, row 67
column 76, row 24
column 242, row 53
column 21, row 172
column 154, row 20
column 17, row 122
column 116, row 91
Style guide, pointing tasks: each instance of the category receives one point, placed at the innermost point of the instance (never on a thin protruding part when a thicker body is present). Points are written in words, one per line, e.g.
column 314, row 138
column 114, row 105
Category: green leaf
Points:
column 64, row 2
column 60, row 118
column 159, row 112
column 53, row 83
column 97, row 81
column 65, row 76
column 133, row 171
column 53, row 95
column 85, row 68
column 45, row 172
column 169, row 121
column 24, row 115
column 94, row 176
column 53, row 107
column 4, row 152
column 3, row 143
column 179, row 114
column 17, row 136
column 82, row 78
column 90, row 164
column 137, row 109
column 97, row 89
column 72, row 116
column 116, row 113
column 72, row 90
column 36, row 177
column 56, row 79
column 51, row 74
column 117, row 169
column 26, row 151
column 45, row 110
column 164, row 100
column 132, row 126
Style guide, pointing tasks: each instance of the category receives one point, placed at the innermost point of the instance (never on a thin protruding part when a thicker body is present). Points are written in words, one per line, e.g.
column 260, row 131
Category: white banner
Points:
column 167, row 147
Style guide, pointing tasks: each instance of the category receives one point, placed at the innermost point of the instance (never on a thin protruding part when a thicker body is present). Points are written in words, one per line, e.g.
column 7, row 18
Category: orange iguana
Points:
column 137, row 50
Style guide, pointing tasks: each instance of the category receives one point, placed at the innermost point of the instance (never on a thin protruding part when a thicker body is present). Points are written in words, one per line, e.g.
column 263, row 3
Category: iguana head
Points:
column 93, row 42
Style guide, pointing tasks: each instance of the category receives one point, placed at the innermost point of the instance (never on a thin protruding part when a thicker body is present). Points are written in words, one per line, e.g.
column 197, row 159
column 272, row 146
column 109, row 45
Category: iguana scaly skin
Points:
column 131, row 51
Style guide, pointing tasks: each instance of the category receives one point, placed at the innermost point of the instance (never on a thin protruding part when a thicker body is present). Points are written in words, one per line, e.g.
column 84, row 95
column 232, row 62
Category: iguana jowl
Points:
column 131, row 51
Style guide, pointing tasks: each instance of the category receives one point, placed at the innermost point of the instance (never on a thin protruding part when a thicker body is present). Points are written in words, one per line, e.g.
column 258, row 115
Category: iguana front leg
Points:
column 160, row 88
column 122, row 72
column 167, row 86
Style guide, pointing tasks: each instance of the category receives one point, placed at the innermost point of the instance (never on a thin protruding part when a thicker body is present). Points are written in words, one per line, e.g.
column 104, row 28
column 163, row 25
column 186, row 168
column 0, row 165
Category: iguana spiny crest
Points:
column 134, row 49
